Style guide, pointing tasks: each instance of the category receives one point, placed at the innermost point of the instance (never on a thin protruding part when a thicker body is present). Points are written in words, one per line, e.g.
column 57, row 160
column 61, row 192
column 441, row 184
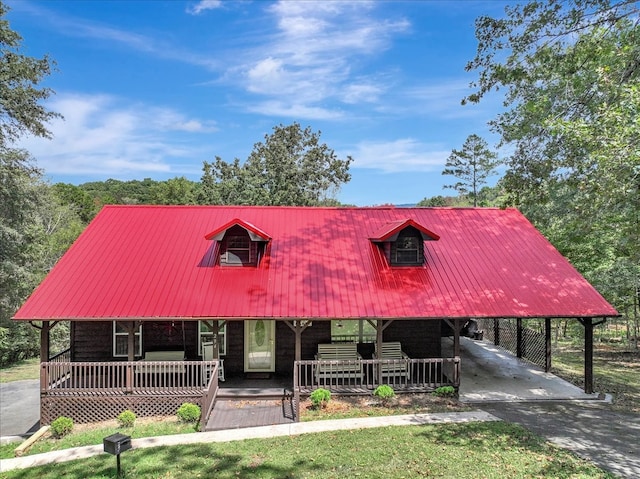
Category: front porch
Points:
column 97, row 391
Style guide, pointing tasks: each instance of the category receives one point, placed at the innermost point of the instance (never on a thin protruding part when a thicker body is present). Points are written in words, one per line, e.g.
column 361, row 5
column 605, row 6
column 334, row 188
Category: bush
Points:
column 385, row 393
column 320, row 398
column 445, row 391
column 189, row 412
column 61, row 426
column 126, row 418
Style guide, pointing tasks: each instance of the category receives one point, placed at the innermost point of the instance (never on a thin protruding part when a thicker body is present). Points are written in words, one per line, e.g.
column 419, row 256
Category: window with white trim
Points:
column 206, row 336
column 121, row 341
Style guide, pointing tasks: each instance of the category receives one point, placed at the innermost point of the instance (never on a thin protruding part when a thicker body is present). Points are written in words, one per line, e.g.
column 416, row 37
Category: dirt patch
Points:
column 363, row 406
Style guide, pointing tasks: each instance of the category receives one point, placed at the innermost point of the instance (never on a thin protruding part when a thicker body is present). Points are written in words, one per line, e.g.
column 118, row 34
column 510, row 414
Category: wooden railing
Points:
column 359, row 376
column 123, row 377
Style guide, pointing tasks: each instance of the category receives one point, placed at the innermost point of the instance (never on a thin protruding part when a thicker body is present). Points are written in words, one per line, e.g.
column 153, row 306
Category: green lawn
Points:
column 28, row 369
column 473, row 450
column 616, row 371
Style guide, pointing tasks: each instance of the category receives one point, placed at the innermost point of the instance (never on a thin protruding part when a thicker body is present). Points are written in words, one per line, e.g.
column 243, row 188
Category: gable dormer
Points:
column 240, row 243
column 403, row 242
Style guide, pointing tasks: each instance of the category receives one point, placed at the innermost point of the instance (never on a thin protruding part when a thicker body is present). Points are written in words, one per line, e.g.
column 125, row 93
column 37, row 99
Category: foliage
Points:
column 126, row 418
column 189, row 412
column 176, row 191
column 571, row 77
column 20, row 97
column 61, row 426
column 464, row 451
column 471, row 166
column 385, row 393
column 445, row 391
column 291, row 167
column 320, row 398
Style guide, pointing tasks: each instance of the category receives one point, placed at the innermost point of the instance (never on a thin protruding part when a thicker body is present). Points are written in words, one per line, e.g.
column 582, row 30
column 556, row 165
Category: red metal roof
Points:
column 152, row 262
column 388, row 230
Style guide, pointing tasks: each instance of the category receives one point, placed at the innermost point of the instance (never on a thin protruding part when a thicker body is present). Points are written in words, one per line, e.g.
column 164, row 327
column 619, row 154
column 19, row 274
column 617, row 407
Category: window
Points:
column 121, row 341
column 238, row 250
column 206, row 336
column 407, row 249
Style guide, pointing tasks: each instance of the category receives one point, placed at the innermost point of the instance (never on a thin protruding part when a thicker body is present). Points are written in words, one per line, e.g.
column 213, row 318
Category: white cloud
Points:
column 294, row 110
column 402, row 155
column 311, row 57
column 204, row 5
column 106, row 136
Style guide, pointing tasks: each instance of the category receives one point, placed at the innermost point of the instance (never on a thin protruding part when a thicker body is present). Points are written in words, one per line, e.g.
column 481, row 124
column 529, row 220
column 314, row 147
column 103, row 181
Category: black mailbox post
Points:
column 115, row 444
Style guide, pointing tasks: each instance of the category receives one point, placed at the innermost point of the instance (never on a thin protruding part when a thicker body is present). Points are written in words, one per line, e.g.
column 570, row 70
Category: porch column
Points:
column 130, row 327
column 496, row 332
column 547, row 344
column 45, row 345
column 380, row 326
column 456, row 337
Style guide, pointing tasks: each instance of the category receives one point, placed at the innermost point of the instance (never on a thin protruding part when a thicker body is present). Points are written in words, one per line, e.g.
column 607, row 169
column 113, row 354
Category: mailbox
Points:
column 116, row 443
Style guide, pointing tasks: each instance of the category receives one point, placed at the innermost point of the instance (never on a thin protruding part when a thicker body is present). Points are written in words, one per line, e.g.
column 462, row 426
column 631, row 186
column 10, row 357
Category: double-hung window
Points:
column 121, row 341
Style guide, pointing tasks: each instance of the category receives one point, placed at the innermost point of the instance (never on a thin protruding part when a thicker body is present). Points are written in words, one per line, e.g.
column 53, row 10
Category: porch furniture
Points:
column 393, row 351
column 338, row 361
column 207, row 355
column 149, row 364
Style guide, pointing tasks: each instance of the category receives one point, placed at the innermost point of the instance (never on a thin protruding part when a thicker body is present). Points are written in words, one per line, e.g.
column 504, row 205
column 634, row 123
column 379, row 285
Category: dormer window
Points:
column 238, row 250
column 402, row 242
column 241, row 243
column 408, row 249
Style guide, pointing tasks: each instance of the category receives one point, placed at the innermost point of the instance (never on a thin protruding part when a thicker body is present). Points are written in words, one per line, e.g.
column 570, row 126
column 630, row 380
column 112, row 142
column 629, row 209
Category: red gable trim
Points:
column 390, row 229
column 238, row 222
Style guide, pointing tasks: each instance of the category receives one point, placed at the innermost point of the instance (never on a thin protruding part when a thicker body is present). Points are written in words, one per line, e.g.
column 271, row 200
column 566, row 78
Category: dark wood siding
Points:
column 92, row 341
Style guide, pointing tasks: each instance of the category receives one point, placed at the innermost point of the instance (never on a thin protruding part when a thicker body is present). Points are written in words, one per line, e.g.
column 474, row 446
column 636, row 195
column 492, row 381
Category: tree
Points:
column 571, row 76
column 20, row 96
column 472, row 166
column 291, row 167
column 21, row 185
column 175, row 191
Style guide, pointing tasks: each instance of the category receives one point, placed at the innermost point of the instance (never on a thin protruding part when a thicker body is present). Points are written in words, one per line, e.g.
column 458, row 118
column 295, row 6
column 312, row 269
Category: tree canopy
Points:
column 291, row 167
column 570, row 73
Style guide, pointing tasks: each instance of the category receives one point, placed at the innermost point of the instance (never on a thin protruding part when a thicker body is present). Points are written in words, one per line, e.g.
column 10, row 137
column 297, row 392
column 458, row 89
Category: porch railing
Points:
column 152, row 379
column 360, row 376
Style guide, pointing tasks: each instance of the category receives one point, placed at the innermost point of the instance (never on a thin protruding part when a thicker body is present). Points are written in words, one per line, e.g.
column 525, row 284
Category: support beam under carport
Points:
column 588, row 351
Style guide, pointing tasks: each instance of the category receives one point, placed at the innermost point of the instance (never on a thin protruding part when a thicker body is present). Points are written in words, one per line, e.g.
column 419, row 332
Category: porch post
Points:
column 379, row 340
column 45, row 342
column 496, row 332
column 519, row 349
column 588, row 355
column 547, row 344
column 456, row 337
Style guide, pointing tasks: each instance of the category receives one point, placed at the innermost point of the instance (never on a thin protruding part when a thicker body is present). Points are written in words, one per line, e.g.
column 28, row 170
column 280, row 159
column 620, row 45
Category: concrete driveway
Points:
column 489, row 373
column 19, row 409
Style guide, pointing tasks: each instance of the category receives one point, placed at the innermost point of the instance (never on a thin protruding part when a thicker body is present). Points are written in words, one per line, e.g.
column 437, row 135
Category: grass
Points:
column 27, row 369
column 91, row 434
column 616, row 371
column 472, row 450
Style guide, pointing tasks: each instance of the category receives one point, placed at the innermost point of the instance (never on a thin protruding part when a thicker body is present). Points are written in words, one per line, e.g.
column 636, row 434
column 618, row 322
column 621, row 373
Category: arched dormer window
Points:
column 408, row 248
column 241, row 243
column 403, row 242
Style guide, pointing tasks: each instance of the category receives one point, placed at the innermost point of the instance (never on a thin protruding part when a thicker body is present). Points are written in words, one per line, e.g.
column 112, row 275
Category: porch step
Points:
column 235, row 393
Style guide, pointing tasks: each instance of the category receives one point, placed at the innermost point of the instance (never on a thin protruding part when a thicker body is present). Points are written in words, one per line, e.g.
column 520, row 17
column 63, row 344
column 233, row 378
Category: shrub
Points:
column 189, row 412
column 61, row 426
column 126, row 418
column 385, row 393
column 320, row 397
column 445, row 391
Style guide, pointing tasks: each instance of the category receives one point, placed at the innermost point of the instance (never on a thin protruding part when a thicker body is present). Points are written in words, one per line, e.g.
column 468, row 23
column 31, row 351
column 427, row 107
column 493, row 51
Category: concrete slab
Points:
column 489, row 373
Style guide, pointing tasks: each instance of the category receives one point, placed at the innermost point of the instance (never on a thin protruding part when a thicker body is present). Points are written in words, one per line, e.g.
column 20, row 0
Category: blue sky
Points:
column 151, row 89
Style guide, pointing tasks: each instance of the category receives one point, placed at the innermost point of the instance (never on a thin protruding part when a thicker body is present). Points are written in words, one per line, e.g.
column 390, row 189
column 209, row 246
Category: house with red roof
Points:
column 166, row 301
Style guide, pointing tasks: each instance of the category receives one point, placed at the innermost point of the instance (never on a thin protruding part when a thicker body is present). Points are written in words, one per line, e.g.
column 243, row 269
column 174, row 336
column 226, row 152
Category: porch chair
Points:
column 207, row 355
column 393, row 350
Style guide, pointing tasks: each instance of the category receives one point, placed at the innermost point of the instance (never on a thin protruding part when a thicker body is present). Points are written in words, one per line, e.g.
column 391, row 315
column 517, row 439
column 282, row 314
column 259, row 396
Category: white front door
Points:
column 259, row 346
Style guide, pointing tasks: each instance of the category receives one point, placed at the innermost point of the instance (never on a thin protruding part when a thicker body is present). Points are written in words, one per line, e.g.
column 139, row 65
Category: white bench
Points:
column 339, row 361
column 393, row 351
column 148, row 364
